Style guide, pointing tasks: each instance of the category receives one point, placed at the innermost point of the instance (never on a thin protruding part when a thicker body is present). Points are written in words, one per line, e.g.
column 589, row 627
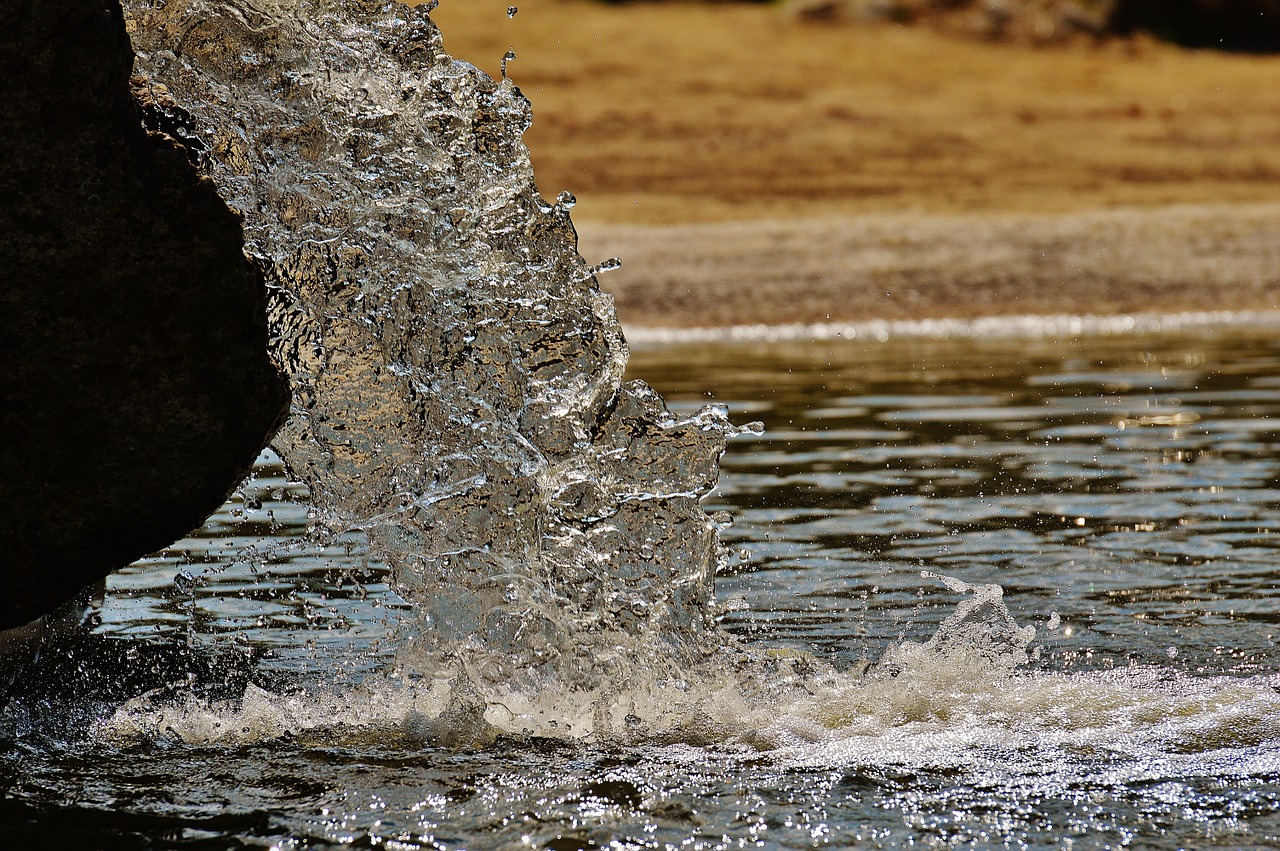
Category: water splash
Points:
column 459, row 403
column 956, row 702
column 980, row 636
column 457, row 373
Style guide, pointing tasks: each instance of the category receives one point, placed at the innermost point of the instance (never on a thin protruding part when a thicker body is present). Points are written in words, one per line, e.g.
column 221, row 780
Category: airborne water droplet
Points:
column 511, row 11
column 184, row 582
column 607, row 266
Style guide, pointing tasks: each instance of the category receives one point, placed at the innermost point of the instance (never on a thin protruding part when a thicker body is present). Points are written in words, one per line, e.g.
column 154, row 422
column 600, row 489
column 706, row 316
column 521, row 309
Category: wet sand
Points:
column 749, row 168
column 911, row 266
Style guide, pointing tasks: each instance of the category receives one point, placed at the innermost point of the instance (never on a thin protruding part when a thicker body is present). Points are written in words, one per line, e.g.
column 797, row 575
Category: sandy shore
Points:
column 750, row 168
column 910, row 266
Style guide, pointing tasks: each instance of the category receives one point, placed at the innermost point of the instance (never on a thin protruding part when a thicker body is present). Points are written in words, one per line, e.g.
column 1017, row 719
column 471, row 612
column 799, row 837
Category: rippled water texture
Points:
column 1120, row 490
column 1127, row 484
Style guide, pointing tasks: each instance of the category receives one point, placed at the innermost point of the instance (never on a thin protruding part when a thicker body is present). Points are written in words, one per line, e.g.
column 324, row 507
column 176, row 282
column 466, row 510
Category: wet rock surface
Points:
column 136, row 388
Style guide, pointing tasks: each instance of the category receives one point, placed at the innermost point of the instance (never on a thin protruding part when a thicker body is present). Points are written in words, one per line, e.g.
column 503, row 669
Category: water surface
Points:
column 1127, row 484
column 1120, row 490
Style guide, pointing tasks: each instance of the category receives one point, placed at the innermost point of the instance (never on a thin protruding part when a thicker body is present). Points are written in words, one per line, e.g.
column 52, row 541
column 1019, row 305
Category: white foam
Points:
column 938, row 702
column 1033, row 326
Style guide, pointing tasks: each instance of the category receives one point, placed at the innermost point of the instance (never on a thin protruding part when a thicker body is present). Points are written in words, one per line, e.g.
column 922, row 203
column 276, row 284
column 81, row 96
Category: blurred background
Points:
column 779, row 143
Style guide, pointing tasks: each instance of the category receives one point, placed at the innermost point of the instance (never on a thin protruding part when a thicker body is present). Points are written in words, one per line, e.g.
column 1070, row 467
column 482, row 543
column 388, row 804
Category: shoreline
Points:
column 753, row 169
column 683, row 112
column 1027, row 326
column 982, row 269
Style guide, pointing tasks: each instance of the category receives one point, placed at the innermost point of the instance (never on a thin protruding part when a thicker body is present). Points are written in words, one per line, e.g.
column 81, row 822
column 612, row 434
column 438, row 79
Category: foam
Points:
column 986, row 327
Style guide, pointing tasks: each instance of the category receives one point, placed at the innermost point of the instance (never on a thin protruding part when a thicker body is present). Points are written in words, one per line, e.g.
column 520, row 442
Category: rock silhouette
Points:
column 135, row 384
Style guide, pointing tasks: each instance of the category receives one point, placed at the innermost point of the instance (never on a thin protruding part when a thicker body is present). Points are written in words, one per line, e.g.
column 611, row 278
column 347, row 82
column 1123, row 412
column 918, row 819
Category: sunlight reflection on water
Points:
column 1122, row 491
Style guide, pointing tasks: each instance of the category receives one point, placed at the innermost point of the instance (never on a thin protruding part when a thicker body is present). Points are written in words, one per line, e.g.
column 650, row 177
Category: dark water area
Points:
column 1120, row 490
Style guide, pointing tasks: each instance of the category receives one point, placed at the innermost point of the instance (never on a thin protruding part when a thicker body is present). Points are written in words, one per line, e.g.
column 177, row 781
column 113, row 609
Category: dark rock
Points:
column 135, row 385
column 1246, row 25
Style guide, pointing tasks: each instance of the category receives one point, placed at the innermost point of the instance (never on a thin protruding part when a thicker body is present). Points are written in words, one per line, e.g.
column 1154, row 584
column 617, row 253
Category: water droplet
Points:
column 507, row 57
column 607, row 266
column 184, row 582
column 1171, row 652
column 566, row 199
column 511, row 11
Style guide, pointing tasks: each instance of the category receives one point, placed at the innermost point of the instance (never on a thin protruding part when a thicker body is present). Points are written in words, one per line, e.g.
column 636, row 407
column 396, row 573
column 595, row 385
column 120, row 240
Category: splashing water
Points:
column 1104, row 742
column 456, row 370
column 459, row 403
column 980, row 635
column 459, row 398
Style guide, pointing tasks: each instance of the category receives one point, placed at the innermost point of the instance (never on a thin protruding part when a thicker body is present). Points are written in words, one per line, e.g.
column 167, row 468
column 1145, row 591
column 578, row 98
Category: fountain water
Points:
column 456, row 370
column 558, row 678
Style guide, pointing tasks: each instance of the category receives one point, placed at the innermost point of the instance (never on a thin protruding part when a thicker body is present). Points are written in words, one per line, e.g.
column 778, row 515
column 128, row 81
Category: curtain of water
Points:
column 456, row 370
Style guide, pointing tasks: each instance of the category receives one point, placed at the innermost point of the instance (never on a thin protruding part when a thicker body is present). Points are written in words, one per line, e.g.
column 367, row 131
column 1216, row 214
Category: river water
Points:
column 1118, row 494
column 979, row 592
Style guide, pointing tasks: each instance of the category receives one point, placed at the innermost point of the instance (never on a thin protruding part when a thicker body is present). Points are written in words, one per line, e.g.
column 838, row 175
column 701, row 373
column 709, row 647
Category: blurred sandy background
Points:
column 754, row 165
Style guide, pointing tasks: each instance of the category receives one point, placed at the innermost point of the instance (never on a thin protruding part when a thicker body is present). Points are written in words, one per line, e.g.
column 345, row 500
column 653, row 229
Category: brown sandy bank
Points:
column 908, row 266
column 750, row 167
